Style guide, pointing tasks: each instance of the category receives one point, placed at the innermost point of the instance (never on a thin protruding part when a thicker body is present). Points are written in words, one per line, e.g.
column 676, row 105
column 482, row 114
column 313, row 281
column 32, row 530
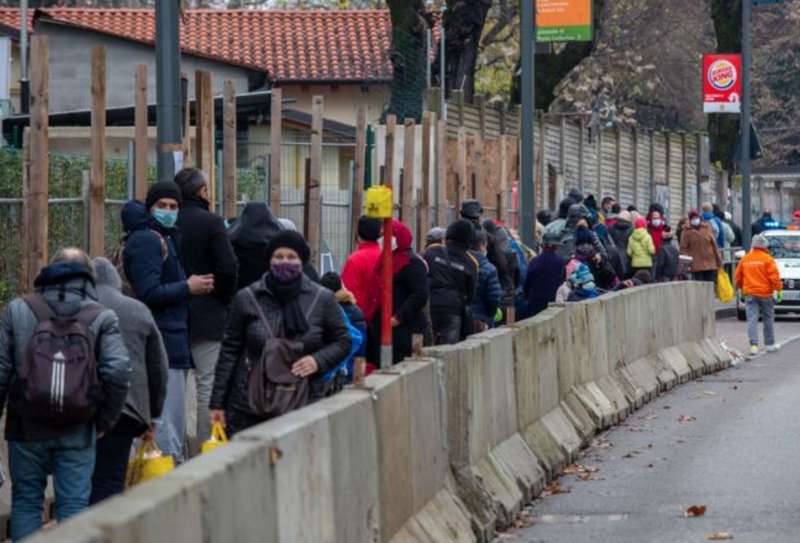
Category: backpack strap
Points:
column 88, row 314
column 41, row 309
column 260, row 312
column 314, row 303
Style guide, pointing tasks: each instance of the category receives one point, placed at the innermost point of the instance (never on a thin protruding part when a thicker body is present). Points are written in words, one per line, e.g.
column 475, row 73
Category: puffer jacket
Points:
column 757, row 274
column 327, row 340
column 113, row 367
column 641, row 249
column 489, row 290
column 157, row 282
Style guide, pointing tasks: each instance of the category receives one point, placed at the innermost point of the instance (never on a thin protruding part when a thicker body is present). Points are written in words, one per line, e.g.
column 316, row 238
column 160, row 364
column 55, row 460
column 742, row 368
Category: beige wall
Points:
column 341, row 101
column 15, row 74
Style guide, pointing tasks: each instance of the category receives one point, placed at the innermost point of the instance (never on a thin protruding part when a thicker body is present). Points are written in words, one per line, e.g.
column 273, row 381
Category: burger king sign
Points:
column 722, row 83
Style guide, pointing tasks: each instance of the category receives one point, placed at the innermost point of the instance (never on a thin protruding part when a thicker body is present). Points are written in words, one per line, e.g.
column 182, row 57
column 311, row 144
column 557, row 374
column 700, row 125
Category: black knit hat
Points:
column 471, row 209
column 190, row 181
column 162, row 189
column 461, row 233
column 291, row 240
column 369, row 229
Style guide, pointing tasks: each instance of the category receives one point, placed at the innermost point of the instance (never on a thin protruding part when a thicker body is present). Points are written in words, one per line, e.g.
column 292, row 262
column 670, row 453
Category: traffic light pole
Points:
column 747, row 55
column 168, row 87
column 527, row 179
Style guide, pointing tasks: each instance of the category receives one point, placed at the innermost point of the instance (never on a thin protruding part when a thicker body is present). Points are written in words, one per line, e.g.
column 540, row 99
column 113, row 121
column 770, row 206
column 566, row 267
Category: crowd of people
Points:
column 239, row 312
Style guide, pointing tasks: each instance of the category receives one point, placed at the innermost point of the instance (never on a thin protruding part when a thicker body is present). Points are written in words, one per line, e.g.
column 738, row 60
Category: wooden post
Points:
column 187, row 125
column 229, row 196
column 38, row 182
column 617, row 165
column 97, row 177
column 25, row 233
column 501, row 200
column 140, row 134
column 204, row 139
column 359, row 364
column 358, row 182
column 388, row 168
column 407, row 195
column 315, row 179
column 275, row 139
column 424, row 207
column 635, row 142
column 462, row 183
column 417, row 342
column 306, row 195
column 442, row 205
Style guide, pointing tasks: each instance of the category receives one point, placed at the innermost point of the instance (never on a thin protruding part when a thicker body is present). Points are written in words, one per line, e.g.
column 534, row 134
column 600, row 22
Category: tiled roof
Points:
column 296, row 45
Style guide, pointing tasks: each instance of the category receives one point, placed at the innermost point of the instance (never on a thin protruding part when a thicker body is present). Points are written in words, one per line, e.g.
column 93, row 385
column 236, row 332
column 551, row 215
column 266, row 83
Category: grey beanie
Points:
column 760, row 242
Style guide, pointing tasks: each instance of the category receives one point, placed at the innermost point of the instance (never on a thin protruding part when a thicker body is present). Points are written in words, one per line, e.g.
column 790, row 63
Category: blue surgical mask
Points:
column 165, row 217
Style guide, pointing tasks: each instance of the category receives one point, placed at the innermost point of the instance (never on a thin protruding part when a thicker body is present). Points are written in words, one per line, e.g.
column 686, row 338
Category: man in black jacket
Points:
column 453, row 274
column 205, row 249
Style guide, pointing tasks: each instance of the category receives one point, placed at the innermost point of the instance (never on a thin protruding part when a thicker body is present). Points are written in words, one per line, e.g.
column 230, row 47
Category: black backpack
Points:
column 56, row 382
column 272, row 388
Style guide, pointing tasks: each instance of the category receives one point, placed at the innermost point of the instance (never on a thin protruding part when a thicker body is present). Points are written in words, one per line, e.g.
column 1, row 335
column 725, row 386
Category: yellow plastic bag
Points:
column 218, row 439
column 379, row 202
column 725, row 291
column 148, row 463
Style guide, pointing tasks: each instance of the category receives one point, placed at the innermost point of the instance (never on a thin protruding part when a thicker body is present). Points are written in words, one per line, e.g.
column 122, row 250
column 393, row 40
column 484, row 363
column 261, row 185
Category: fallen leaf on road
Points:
column 709, row 393
column 554, row 488
column 719, row 536
column 666, row 407
column 629, row 455
column 650, row 466
column 734, row 387
column 687, row 418
column 695, row 511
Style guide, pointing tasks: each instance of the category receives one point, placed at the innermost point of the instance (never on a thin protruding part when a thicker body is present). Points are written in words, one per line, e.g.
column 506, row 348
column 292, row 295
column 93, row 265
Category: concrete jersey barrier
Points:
column 445, row 448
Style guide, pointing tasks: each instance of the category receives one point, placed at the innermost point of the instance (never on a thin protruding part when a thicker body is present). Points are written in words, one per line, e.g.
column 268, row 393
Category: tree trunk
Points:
column 409, row 64
column 463, row 23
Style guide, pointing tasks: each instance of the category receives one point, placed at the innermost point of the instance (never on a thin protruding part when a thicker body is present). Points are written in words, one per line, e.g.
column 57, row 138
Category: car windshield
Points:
column 784, row 246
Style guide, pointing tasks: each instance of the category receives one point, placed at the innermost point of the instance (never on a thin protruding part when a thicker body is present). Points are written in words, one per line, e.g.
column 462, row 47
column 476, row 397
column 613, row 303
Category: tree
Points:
column 463, row 23
column 410, row 22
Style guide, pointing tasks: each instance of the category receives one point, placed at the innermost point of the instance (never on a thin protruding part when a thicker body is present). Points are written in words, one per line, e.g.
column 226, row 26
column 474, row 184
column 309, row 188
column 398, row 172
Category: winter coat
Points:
column 157, row 282
column 604, row 274
column 699, row 243
column 489, row 294
column 409, row 298
column 358, row 275
column 545, row 276
column 657, row 234
column 641, row 249
column 148, row 358
column 737, row 233
column 501, row 255
column 620, row 233
column 452, row 278
column 249, row 238
column 327, row 339
column 113, row 366
column 666, row 263
column 716, row 226
column 206, row 249
column 757, row 274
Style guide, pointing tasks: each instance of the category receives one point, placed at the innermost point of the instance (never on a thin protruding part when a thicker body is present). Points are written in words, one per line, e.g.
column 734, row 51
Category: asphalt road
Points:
column 730, row 442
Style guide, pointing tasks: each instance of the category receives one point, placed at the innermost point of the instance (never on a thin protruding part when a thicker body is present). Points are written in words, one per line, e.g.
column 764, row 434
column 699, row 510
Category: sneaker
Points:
column 753, row 350
column 773, row 348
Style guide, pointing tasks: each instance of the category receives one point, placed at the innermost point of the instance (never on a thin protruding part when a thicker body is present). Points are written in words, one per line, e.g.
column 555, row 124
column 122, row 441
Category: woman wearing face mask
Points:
column 297, row 309
column 655, row 226
column 698, row 241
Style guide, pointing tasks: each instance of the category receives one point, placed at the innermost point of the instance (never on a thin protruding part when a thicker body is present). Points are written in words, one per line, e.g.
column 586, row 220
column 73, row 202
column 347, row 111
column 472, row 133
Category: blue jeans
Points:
column 71, row 462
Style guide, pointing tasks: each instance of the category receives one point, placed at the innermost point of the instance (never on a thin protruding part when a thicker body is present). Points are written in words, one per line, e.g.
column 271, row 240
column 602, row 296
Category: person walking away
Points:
column 582, row 285
column 489, row 292
column 698, row 242
column 358, row 273
column 205, row 249
column 758, row 278
column 148, row 385
column 61, row 325
column 409, row 297
column 285, row 313
column 655, row 227
column 641, row 248
column 545, row 274
column 157, row 279
column 453, row 279
column 665, row 267
column 249, row 238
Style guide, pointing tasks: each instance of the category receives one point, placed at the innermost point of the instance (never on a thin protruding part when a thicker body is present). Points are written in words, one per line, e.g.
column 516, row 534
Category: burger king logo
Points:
column 722, row 75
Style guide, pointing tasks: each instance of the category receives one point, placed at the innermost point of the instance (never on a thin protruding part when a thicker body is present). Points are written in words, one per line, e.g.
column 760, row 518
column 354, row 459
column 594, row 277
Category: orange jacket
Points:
column 757, row 274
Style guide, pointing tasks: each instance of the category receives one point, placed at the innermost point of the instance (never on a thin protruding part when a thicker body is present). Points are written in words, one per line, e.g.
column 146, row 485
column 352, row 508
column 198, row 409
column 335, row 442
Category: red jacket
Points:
column 358, row 275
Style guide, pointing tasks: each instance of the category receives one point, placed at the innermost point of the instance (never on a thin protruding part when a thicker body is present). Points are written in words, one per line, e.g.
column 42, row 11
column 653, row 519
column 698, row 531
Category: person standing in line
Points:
column 148, row 386
column 358, row 273
column 545, row 275
column 205, row 249
column 453, row 279
column 156, row 276
column 665, row 267
column 43, row 440
column 655, row 227
column 489, row 292
column 641, row 248
column 249, row 238
column 698, row 242
column 758, row 278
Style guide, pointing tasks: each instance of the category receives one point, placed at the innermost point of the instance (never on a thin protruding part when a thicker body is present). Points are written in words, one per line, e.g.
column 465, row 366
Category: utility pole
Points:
column 168, row 83
column 747, row 55
column 527, row 179
column 24, row 84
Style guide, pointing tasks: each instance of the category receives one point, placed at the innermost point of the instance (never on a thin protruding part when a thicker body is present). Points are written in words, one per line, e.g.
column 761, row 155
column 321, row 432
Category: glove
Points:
column 778, row 296
column 498, row 315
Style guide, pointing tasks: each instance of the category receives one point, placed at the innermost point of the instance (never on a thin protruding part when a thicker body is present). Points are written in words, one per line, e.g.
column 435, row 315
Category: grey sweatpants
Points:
column 765, row 308
column 171, row 429
column 205, row 355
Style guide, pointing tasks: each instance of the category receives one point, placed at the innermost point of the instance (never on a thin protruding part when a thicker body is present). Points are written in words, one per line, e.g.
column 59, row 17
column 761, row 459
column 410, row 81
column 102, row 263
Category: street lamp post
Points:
column 747, row 55
column 168, row 82
column 527, row 179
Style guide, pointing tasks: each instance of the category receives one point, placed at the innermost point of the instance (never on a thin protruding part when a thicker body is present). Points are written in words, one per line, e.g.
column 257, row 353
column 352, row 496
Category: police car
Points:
column 784, row 246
